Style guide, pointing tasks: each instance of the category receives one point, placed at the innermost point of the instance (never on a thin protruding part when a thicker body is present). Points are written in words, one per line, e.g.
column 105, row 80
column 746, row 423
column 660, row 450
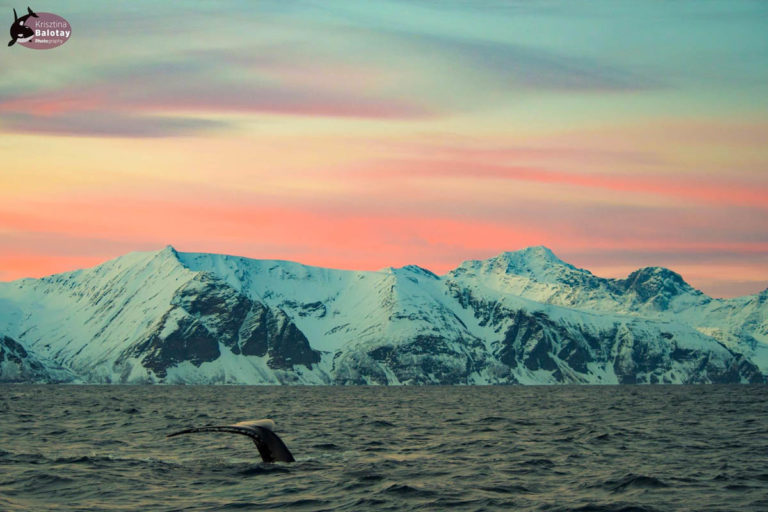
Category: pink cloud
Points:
column 149, row 103
column 705, row 189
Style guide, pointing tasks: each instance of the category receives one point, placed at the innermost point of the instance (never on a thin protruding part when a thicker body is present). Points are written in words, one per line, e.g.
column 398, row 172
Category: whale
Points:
column 19, row 30
column 270, row 446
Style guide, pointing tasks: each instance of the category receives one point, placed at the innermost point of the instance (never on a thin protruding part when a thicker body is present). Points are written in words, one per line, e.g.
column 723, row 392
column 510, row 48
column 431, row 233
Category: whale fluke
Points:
column 270, row 446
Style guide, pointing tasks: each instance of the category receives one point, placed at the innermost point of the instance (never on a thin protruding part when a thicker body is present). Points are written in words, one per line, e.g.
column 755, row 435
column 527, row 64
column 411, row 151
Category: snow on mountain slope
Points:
column 84, row 319
column 524, row 317
column 134, row 318
column 18, row 364
column 652, row 293
column 537, row 274
column 740, row 323
column 349, row 315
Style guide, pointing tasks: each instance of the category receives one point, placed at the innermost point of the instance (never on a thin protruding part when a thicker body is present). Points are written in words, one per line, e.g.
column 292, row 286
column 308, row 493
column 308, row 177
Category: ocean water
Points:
column 565, row 448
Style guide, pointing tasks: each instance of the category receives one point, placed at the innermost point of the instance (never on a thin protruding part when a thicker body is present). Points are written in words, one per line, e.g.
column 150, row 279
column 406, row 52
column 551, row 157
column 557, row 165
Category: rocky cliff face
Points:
column 17, row 364
column 206, row 314
column 524, row 317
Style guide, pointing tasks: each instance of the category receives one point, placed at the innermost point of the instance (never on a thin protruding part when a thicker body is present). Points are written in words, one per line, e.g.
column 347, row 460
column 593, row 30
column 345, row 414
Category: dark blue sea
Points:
column 676, row 448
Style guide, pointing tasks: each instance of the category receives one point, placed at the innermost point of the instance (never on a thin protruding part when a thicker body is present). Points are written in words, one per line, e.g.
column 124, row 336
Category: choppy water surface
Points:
column 436, row 448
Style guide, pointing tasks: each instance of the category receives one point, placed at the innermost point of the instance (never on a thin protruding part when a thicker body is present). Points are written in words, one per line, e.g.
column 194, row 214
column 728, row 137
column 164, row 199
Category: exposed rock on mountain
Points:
column 19, row 365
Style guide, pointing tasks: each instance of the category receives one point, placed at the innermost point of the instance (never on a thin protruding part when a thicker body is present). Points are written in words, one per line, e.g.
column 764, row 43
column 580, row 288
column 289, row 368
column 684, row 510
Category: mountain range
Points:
column 523, row 317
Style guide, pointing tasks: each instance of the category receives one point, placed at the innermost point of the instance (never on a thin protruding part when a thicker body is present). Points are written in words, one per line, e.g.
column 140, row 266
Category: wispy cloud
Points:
column 155, row 96
column 102, row 123
column 528, row 67
column 702, row 190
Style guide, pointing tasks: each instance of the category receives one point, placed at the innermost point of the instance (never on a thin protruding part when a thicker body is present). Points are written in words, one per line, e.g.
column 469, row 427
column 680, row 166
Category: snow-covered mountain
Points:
column 521, row 317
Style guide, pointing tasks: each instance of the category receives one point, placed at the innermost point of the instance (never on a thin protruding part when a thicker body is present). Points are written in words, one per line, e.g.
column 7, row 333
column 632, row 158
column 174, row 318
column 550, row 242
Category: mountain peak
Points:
column 657, row 284
column 527, row 261
column 537, row 263
column 420, row 270
column 646, row 274
column 169, row 249
column 167, row 253
column 535, row 253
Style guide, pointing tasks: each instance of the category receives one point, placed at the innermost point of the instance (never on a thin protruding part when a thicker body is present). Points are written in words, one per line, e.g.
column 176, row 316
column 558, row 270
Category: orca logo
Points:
column 39, row 31
column 20, row 31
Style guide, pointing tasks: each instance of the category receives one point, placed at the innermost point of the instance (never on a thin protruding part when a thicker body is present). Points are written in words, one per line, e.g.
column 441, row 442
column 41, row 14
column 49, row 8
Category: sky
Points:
column 362, row 135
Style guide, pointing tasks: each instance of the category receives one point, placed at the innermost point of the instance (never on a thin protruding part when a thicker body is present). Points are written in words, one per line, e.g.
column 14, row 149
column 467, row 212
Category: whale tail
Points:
column 270, row 446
